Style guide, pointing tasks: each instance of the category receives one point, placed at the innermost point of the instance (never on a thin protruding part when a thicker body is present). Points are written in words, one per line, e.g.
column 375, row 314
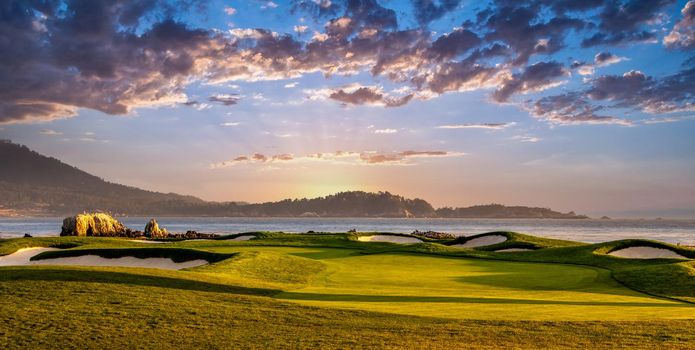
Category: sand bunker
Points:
column 243, row 238
column 513, row 250
column 646, row 253
column 482, row 241
column 389, row 238
column 23, row 256
column 126, row 261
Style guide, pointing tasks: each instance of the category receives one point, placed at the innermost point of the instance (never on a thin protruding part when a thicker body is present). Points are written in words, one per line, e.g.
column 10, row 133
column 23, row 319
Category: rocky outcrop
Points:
column 433, row 234
column 152, row 230
column 193, row 235
column 93, row 224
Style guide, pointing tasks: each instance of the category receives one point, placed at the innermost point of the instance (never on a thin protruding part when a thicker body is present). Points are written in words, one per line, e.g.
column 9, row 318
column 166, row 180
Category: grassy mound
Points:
column 92, row 224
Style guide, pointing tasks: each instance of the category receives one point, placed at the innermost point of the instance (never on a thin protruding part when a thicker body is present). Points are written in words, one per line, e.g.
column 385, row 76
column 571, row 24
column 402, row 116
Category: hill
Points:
column 33, row 184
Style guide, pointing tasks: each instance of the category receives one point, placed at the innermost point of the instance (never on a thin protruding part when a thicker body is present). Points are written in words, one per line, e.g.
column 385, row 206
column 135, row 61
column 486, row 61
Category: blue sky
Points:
column 583, row 107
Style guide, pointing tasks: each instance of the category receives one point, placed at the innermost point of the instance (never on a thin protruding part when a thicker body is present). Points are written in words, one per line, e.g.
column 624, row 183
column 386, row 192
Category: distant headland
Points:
column 35, row 185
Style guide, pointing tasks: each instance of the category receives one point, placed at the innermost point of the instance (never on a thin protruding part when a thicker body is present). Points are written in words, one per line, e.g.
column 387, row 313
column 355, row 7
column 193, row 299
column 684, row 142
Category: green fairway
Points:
column 331, row 291
column 479, row 289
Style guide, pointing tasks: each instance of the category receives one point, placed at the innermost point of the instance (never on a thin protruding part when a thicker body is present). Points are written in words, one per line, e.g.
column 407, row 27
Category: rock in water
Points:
column 92, row 224
column 152, row 230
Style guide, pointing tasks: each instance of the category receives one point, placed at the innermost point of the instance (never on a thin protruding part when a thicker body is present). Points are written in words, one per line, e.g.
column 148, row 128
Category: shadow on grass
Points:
column 469, row 300
column 113, row 277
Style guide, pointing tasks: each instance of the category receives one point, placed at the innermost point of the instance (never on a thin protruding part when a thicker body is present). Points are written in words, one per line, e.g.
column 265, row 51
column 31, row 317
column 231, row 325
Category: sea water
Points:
column 673, row 231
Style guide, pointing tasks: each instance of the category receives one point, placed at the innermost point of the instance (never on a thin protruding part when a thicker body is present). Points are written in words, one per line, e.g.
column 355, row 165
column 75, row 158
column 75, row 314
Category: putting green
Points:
column 415, row 284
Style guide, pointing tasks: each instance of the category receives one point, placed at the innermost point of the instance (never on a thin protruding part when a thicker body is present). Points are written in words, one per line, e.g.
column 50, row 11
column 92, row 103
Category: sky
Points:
column 573, row 105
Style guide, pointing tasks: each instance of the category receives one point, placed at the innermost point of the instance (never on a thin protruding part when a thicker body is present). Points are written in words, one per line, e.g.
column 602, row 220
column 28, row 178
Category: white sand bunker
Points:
column 389, row 238
column 243, row 238
column 513, row 250
column 646, row 253
column 22, row 257
column 126, row 261
column 482, row 241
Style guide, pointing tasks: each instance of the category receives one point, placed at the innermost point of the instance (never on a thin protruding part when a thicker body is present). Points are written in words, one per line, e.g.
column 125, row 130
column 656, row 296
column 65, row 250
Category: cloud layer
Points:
column 115, row 56
column 339, row 157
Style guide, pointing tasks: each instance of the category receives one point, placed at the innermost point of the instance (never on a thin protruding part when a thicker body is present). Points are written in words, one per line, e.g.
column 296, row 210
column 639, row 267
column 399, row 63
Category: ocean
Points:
column 590, row 231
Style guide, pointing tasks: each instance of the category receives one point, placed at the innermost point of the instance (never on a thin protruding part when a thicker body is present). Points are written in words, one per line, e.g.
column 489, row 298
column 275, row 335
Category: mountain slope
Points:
column 33, row 184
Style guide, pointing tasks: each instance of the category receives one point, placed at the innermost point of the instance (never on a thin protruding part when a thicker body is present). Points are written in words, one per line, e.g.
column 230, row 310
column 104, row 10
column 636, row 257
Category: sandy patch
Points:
column 22, row 256
column 513, row 250
column 482, row 241
column 126, row 261
column 646, row 253
column 145, row 241
column 243, row 238
column 388, row 238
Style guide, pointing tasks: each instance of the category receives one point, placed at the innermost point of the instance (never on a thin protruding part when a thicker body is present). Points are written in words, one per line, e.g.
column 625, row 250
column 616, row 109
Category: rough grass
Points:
column 124, row 308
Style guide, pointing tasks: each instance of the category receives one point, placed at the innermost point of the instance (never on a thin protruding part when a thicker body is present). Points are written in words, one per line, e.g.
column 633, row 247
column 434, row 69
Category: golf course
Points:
column 345, row 290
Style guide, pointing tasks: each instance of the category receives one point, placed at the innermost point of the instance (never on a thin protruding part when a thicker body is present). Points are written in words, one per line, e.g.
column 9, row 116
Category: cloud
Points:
column 386, row 131
column 231, row 124
column 229, row 10
column 89, row 58
column 340, row 157
column 50, row 132
column 291, row 85
column 356, row 94
column 488, row 126
column 673, row 119
column 601, row 59
column 633, row 90
column 626, row 22
column 571, row 109
column 119, row 55
column 525, row 30
column 526, row 138
column 300, row 29
column 427, row 11
column 225, row 99
column 682, row 36
column 537, row 77
column 269, row 5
